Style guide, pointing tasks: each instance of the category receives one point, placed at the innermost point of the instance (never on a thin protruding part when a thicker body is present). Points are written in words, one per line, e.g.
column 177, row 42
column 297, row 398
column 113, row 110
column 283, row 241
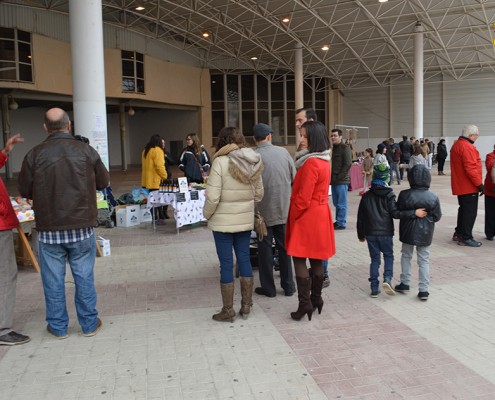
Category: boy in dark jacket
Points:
column 417, row 231
column 375, row 224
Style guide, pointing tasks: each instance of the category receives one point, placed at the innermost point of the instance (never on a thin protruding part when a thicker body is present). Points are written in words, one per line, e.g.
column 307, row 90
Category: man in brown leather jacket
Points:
column 61, row 176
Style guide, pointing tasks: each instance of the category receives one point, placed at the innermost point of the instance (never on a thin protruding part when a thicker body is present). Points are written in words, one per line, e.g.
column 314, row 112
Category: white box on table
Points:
column 128, row 216
column 145, row 214
column 104, row 246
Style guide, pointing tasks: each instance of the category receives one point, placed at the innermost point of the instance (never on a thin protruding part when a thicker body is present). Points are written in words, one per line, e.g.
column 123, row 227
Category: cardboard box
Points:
column 104, row 245
column 127, row 216
column 145, row 214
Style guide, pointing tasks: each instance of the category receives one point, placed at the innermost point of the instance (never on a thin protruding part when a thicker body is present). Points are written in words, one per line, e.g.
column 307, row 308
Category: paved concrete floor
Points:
column 157, row 292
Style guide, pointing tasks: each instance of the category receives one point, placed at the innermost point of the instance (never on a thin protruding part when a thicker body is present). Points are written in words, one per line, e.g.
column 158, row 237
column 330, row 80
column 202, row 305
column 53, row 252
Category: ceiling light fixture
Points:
column 131, row 111
column 13, row 104
column 382, row 1
column 139, row 8
column 285, row 20
column 206, row 34
column 325, row 47
column 254, row 58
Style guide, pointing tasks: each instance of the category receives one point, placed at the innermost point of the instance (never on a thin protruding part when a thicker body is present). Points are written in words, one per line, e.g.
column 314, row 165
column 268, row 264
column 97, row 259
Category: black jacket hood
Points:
column 381, row 191
column 419, row 177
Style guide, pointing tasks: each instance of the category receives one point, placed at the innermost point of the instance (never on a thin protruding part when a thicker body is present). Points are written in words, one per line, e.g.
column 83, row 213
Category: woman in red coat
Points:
column 310, row 232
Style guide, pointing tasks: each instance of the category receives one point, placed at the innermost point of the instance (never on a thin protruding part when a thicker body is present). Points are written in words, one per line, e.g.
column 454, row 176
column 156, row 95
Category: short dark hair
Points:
column 404, row 137
column 316, row 133
column 310, row 113
column 230, row 135
column 337, row 130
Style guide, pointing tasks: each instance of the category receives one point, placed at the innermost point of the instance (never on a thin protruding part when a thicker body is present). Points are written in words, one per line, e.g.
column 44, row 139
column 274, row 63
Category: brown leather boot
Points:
column 316, row 286
column 247, row 296
column 227, row 313
column 303, row 293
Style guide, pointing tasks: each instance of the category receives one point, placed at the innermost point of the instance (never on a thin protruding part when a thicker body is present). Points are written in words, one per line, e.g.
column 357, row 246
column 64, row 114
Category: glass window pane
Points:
column 278, row 126
column 217, row 87
column 248, row 122
column 7, row 71
column 139, row 57
column 140, row 85
column 247, row 105
column 25, row 73
column 233, row 114
column 262, row 86
column 247, row 85
column 217, row 122
column 217, row 105
column 128, row 68
column 263, row 105
column 139, row 70
column 277, row 105
column 263, row 117
column 7, row 50
column 24, row 36
column 24, row 52
column 291, row 90
column 128, row 84
column 7, row 33
column 277, row 91
column 127, row 55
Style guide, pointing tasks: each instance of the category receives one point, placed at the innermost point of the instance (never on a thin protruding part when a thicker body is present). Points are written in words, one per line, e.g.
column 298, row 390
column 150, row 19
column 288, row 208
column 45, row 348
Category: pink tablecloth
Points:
column 356, row 177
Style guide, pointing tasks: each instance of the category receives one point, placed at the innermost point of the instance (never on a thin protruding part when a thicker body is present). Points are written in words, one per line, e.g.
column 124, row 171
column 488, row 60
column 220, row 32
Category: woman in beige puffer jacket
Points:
column 234, row 185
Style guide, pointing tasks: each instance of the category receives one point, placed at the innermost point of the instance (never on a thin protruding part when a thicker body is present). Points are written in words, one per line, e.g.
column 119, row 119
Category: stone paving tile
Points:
column 157, row 293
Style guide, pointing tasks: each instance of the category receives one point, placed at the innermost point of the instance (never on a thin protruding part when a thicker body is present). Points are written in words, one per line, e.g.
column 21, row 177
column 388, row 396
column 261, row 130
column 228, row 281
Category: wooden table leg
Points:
column 27, row 247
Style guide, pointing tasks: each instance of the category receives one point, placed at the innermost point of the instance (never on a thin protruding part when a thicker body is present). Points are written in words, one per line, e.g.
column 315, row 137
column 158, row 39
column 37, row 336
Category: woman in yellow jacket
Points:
column 153, row 169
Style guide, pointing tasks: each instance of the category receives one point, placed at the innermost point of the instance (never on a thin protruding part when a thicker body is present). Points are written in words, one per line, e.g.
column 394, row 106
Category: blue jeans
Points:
column 339, row 198
column 324, row 264
column 376, row 246
column 240, row 242
column 81, row 256
column 394, row 171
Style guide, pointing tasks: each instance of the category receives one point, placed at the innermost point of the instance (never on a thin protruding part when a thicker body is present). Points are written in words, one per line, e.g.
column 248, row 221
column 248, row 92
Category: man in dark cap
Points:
column 278, row 174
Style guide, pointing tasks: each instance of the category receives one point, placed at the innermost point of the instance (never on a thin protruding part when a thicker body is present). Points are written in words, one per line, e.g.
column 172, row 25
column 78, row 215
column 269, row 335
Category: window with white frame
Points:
column 16, row 60
column 132, row 72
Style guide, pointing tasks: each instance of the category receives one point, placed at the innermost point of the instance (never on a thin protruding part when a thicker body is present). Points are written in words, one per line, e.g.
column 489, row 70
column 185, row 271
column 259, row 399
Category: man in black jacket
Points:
column 341, row 165
column 61, row 176
column 406, row 148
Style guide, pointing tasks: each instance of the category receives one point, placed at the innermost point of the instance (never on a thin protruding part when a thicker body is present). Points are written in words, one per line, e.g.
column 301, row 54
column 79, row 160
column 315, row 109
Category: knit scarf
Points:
column 304, row 155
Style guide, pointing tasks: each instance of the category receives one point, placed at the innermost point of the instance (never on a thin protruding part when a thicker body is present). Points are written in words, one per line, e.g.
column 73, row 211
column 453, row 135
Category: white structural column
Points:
column 298, row 83
column 418, row 81
column 88, row 73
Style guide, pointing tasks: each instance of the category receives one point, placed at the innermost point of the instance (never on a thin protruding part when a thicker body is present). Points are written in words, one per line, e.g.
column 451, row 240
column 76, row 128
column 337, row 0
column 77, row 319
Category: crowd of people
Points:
column 291, row 194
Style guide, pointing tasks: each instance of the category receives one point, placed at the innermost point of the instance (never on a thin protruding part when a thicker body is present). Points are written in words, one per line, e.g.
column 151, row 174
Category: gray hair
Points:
column 57, row 125
column 470, row 130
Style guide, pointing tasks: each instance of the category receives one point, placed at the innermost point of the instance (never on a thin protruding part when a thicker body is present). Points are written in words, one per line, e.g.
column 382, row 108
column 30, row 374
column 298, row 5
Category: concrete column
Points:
column 88, row 73
column 298, row 83
column 418, row 81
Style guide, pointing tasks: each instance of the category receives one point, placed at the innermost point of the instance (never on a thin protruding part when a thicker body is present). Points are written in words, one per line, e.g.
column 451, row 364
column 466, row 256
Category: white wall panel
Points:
column 368, row 107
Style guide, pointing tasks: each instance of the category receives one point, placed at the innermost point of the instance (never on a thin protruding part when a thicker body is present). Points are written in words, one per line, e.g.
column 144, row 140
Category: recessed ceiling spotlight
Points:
column 382, row 1
column 254, row 58
column 139, row 8
column 206, row 34
column 286, row 19
column 325, row 48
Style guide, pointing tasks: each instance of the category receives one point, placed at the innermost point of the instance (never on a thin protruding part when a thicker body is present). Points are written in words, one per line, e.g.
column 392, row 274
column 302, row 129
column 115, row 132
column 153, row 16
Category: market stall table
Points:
column 187, row 210
column 356, row 175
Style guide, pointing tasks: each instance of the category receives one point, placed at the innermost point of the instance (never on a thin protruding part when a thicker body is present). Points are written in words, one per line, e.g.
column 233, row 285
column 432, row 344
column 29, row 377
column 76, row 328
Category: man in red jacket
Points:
column 8, row 265
column 467, row 184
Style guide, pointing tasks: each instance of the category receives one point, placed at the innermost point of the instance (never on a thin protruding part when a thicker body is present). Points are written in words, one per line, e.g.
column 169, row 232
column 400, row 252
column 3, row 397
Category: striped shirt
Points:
column 70, row 236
